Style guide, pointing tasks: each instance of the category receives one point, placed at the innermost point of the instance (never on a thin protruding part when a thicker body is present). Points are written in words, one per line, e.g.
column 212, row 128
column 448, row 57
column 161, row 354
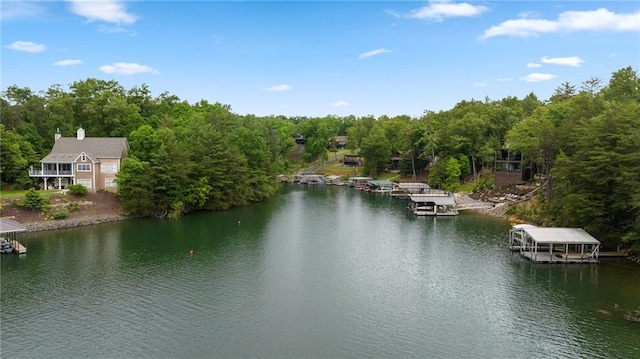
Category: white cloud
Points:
column 67, row 62
column 372, row 53
column 340, row 103
column 112, row 29
column 480, row 84
column 279, row 88
column 111, row 11
column 26, row 46
column 596, row 20
column 127, row 68
column 438, row 10
column 574, row 61
column 13, row 10
column 533, row 65
column 528, row 14
column 537, row 77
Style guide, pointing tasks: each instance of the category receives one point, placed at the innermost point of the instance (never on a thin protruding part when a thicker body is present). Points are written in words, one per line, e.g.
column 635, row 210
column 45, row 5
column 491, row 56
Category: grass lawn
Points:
column 19, row 194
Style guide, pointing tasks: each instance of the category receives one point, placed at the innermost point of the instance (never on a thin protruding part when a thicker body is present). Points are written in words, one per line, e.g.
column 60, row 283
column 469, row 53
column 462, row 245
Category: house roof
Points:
column 67, row 149
column 560, row 235
column 10, row 226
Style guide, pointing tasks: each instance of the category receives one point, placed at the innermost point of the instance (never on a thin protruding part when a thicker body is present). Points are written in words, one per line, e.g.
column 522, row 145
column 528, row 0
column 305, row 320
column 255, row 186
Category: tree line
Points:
column 186, row 157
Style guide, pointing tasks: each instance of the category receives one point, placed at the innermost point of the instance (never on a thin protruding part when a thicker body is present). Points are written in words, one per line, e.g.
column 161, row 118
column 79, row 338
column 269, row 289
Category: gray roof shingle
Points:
column 67, row 149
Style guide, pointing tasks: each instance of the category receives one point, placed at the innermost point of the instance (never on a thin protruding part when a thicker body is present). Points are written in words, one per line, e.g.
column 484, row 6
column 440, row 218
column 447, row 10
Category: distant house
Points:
column 300, row 140
column 341, row 142
column 394, row 162
column 90, row 161
column 510, row 168
column 352, row 161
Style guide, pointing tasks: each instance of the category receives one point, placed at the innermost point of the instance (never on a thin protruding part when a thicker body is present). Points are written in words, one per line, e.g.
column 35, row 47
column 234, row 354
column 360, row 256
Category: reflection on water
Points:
column 315, row 272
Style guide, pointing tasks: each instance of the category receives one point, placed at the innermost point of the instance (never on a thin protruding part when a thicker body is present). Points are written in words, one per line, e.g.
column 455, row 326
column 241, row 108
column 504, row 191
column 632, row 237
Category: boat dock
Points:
column 8, row 232
column 554, row 245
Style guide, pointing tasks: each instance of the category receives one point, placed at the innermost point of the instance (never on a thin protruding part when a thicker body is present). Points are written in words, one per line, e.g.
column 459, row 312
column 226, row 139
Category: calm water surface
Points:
column 316, row 272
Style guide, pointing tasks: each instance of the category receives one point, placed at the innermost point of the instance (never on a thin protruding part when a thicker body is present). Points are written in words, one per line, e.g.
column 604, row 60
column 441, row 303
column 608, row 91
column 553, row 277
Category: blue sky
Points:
column 305, row 58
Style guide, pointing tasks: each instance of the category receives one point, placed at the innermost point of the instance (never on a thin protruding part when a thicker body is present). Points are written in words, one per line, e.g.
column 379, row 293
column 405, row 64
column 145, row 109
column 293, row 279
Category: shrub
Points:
column 34, row 200
column 73, row 206
column 78, row 190
column 62, row 214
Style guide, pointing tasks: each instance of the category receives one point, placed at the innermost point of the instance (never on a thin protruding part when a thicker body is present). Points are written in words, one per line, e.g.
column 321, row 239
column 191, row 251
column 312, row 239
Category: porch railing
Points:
column 49, row 173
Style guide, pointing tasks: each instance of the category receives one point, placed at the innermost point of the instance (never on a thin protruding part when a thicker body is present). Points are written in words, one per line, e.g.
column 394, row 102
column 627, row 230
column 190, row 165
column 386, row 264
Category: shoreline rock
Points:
column 72, row 223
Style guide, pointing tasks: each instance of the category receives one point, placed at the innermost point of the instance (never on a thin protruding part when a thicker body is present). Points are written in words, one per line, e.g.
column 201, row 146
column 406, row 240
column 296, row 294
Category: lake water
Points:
column 316, row 272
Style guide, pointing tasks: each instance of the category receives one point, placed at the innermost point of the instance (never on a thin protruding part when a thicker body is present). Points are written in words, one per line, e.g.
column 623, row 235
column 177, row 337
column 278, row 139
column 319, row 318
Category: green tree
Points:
column 16, row 155
column 376, row 151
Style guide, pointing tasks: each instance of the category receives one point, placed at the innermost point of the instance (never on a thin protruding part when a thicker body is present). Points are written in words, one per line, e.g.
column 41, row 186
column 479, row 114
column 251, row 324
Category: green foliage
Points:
column 531, row 212
column 376, row 151
column 78, row 190
column 452, row 172
column 16, row 155
column 73, row 206
column 61, row 214
column 445, row 174
column 465, row 165
column 485, row 182
column 34, row 200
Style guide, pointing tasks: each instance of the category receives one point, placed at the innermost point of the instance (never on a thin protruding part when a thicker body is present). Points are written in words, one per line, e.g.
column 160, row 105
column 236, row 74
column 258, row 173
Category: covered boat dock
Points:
column 8, row 232
column 433, row 204
column 403, row 190
column 554, row 245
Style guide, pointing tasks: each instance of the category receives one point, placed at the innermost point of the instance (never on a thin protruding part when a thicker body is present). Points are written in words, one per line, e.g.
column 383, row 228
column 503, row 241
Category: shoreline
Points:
column 54, row 224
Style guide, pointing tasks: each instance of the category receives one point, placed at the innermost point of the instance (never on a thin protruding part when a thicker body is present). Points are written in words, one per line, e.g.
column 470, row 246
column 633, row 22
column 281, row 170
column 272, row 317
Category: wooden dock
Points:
column 18, row 247
column 619, row 254
column 545, row 257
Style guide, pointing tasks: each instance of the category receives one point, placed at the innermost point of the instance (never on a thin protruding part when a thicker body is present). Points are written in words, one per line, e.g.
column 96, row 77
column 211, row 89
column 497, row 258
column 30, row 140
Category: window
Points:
column 84, row 182
column 83, row 158
column 84, row 167
column 110, row 183
column 108, row 168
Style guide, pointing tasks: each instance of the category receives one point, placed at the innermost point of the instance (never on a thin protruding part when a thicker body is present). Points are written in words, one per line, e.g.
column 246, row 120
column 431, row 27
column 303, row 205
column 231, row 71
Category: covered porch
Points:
column 58, row 175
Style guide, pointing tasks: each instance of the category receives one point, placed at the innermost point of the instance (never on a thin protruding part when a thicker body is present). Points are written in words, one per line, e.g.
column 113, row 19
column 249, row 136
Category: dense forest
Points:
column 184, row 157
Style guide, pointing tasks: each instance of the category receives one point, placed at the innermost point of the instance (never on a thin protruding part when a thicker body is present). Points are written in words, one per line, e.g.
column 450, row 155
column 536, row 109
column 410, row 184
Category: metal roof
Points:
column 380, row 182
column 416, row 185
column 439, row 200
column 67, row 149
column 560, row 235
column 11, row 226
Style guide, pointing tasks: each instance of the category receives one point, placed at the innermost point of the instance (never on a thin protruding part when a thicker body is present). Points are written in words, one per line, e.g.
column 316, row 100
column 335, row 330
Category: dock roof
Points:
column 560, row 235
column 438, row 199
column 416, row 185
column 11, row 226
column 380, row 182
